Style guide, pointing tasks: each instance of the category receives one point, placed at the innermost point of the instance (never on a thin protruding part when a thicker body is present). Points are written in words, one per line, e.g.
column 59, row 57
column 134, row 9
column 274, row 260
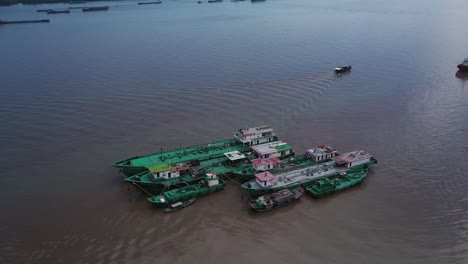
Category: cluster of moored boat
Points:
column 273, row 175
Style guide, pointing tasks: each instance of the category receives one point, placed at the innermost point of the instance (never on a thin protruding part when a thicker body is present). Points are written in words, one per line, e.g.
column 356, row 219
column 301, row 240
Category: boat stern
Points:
column 158, row 201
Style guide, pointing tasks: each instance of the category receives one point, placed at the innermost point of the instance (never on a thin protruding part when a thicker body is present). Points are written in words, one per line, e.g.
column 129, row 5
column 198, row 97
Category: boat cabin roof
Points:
column 321, row 150
column 269, row 148
column 234, row 155
column 267, row 161
column 255, row 130
column 352, row 156
column 265, row 176
column 167, row 167
column 245, row 135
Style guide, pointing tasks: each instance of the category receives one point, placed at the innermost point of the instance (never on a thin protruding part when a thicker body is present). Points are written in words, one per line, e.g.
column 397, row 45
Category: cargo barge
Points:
column 242, row 141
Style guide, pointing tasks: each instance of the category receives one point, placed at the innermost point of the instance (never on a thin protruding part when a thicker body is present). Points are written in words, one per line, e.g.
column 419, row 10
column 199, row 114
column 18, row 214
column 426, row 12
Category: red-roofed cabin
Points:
column 265, row 179
column 265, row 164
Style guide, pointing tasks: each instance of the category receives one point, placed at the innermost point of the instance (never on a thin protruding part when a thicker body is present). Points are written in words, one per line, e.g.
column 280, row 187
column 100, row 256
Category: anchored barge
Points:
column 243, row 139
column 281, row 164
column 209, row 185
column 276, row 200
column 266, row 182
column 337, row 182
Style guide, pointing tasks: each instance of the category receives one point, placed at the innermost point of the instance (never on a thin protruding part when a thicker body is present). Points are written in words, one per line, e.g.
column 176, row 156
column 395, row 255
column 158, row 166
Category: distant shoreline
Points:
column 34, row 2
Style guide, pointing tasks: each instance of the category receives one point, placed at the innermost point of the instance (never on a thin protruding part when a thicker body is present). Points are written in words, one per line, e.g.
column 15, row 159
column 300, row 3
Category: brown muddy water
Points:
column 88, row 89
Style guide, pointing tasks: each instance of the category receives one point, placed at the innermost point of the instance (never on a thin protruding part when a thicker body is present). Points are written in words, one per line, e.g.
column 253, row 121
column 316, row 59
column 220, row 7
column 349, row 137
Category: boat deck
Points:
column 200, row 152
column 301, row 175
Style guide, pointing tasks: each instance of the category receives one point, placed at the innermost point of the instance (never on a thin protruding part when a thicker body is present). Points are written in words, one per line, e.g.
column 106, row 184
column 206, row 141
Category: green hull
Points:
column 327, row 186
column 138, row 164
column 260, row 192
column 145, row 181
column 254, row 192
column 197, row 153
column 185, row 193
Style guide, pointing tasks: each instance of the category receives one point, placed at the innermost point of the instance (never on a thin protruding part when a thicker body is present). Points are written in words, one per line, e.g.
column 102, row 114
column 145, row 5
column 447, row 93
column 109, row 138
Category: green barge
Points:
column 164, row 177
column 210, row 184
column 242, row 141
column 335, row 183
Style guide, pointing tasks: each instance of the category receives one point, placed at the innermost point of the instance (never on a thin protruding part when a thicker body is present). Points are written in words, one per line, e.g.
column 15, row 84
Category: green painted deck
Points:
column 335, row 183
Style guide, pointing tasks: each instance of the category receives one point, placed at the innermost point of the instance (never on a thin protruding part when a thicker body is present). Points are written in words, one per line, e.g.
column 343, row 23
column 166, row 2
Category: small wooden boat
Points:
column 3, row 22
column 215, row 1
column 58, row 11
column 200, row 2
column 276, row 199
column 99, row 8
column 463, row 67
column 42, row 10
column 150, row 3
column 179, row 205
column 343, row 69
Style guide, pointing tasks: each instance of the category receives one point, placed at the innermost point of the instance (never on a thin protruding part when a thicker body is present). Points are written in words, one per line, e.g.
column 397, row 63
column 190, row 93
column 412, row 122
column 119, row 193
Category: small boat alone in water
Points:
column 98, row 8
column 58, row 11
column 3, row 22
column 343, row 69
column 150, row 3
column 276, row 199
column 463, row 67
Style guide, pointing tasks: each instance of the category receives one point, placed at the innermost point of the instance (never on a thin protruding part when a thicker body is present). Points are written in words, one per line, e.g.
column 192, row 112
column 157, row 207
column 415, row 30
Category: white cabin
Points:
column 212, row 179
column 321, row 153
column 354, row 158
column 265, row 179
column 255, row 135
column 167, row 171
column 265, row 164
column 276, row 149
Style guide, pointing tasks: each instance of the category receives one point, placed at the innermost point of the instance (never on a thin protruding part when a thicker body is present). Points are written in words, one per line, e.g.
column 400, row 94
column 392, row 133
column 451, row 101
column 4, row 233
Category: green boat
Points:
column 266, row 182
column 243, row 139
column 164, row 177
column 311, row 157
column 340, row 181
column 210, row 184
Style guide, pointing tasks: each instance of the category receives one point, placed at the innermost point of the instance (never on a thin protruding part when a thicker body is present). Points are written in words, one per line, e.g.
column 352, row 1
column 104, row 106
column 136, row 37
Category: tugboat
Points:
column 463, row 67
column 243, row 139
column 266, row 182
column 276, row 200
column 209, row 185
column 343, row 69
column 280, row 164
column 340, row 181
